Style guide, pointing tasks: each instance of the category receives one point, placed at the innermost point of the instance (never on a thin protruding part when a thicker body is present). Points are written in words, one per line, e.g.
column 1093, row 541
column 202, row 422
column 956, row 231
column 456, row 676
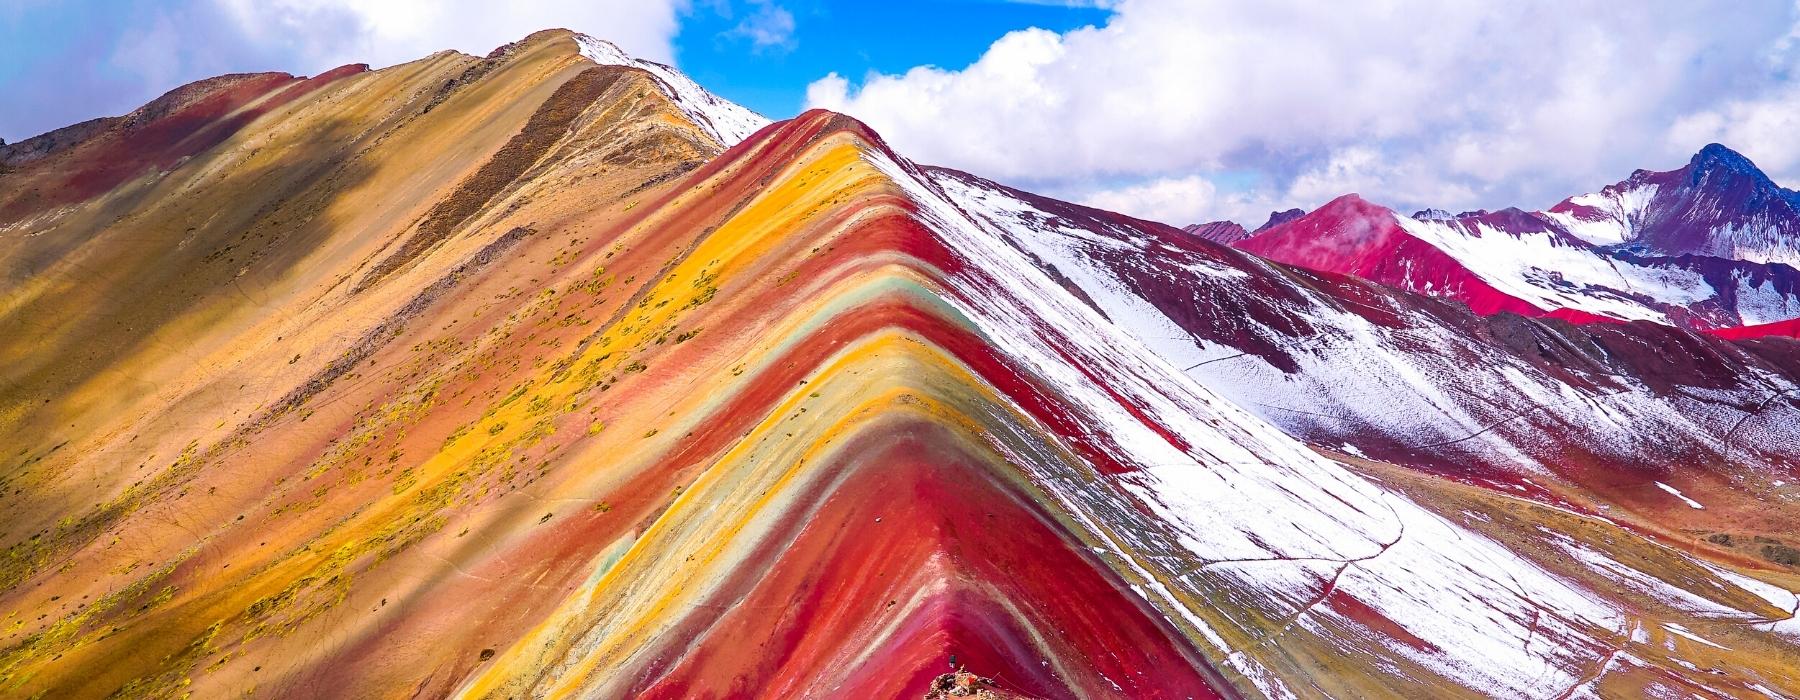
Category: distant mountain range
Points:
column 1710, row 246
column 552, row 373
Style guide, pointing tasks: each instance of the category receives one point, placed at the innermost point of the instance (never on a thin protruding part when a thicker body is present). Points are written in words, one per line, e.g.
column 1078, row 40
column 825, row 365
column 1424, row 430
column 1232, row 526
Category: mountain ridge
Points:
column 1557, row 263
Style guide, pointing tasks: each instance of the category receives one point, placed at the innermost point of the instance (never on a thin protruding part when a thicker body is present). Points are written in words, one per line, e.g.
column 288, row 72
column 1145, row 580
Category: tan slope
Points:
column 190, row 305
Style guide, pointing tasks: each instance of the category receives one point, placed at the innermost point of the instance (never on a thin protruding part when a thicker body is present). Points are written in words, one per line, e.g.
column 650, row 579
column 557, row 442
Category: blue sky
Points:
column 1177, row 110
column 851, row 38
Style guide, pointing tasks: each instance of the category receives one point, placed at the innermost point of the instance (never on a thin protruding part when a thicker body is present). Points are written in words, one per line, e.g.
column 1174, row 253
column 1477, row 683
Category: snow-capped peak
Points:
column 724, row 120
column 1719, row 204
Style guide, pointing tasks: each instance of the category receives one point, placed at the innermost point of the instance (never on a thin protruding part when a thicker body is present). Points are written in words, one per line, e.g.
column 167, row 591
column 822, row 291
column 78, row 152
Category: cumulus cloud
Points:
column 1411, row 102
column 1164, row 199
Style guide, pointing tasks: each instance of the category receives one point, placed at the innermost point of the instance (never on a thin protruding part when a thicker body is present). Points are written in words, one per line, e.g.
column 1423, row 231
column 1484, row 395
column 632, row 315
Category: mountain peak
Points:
column 1715, row 157
column 1719, row 204
column 1351, row 202
column 1277, row 218
column 600, row 50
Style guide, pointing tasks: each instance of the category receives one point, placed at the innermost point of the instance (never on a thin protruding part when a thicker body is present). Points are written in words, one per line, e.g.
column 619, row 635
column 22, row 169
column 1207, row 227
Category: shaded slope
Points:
column 73, row 164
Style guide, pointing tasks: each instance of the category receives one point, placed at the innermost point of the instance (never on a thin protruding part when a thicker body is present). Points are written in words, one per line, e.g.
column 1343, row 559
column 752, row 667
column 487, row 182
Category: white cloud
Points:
column 769, row 26
column 1367, row 170
column 1766, row 129
column 1411, row 102
column 1183, row 199
column 326, row 33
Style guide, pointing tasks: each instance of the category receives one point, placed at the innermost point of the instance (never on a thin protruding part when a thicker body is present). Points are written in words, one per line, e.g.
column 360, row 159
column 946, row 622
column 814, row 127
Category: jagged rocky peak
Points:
column 1277, row 218
column 1229, row 232
column 1226, row 232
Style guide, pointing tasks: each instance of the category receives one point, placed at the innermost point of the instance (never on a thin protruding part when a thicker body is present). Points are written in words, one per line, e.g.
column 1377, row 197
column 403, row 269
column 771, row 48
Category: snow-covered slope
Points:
column 1708, row 246
column 1338, row 359
column 1234, row 355
column 727, row 121
column 1241, row 506
column 1528, row 263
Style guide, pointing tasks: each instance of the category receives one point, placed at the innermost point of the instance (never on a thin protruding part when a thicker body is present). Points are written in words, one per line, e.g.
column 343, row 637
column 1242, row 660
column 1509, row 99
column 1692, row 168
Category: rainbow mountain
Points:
column 551, row 374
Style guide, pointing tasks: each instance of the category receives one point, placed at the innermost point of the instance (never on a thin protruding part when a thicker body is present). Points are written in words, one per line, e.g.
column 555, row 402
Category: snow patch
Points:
column 1619, row 211
column 1683, row 631
column 1678, row 494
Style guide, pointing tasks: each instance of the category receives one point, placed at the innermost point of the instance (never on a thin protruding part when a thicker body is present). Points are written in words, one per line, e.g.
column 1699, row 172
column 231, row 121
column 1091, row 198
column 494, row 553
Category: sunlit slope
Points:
column 183, row 349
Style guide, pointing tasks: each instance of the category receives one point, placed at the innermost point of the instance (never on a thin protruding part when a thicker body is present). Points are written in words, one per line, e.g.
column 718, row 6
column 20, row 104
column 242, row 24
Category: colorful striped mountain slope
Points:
column 550, row 374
